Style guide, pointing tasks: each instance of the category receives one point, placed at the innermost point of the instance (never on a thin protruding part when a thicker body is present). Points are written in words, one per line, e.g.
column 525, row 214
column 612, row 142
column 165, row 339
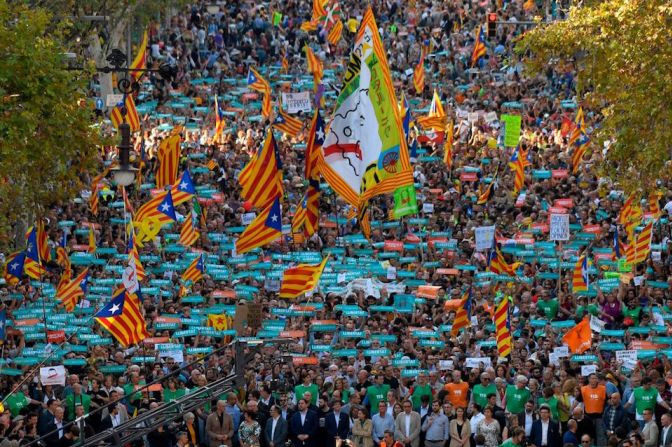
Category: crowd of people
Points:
column 373, row 361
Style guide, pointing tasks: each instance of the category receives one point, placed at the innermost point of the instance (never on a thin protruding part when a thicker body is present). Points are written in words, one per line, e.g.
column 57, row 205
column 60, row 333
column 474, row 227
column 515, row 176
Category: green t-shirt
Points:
column 169, row 395
column 418, row 392
column 632, row 313
column 516, row 399
column 509, row 443
column 550, row 307
column 376, row 394
column 645, row 399
column 590, row 309
column 16, row 402
column 133, row 396
column 300, row 389
column 71, row 402
column 481, row 393
column 553, row 404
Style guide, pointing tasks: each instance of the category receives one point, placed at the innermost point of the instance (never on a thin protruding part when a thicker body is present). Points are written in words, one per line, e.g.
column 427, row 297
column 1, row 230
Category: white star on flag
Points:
column 165, row 207
column 115, row 308
column 274, row 217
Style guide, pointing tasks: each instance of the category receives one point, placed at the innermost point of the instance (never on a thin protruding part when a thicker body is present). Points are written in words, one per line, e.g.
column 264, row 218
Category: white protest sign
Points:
column 113, row 99
column 171, row 350
column 554, row 359
column 485, row 236
column 428, row 208
column 587, row 370
column 596, row 324
column 472, row 117
column 53, row 375
column 272, row 284
column 490, row 117
column 561, row 351
column 559, row 228
column 477, row 362
column 655, row 256
column 445, row 365
column 296, row 102
column 391, row 273
column 247, row 218
column 629, row 355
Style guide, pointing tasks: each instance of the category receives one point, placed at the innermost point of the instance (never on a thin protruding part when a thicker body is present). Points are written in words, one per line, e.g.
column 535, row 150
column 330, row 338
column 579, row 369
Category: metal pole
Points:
column 129, row 47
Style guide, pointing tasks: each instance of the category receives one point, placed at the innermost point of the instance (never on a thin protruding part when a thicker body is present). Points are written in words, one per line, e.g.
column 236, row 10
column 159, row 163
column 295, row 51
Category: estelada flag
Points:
column 579, row 338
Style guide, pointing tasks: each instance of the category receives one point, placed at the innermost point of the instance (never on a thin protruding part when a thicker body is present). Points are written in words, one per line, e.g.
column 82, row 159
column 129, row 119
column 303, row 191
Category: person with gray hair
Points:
column 517, row 395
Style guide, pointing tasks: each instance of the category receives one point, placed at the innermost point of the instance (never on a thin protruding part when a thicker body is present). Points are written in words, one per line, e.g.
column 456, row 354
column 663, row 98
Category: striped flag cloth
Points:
column 639, row 249
column 70, row 293
column 580, row 277
column 132, row 250
column 219, row 120
column 497, row 264
column 188, row 234
column 92, row 240
column 212, row 165
column 121, row 317
column 503, row 328
column 183, row 189
column 266, row 105
column 169, row 161
column 219, row 322
column 43, row 243
column 93, row 201
column 261, row 178
column 286, row 123
column 307, row 216
column 579, row 127
column 195, row 270
column 126, row 111
column 419, row 72
column 256, row 82
column 654, row 205
column 335, row 33
column 128, row 207
column 33, row 264
column 518, row 168
column 485, row 195
column 140, row 61
column 463, row 315
column 285, row 62
column 167, row 208
column 264, row 229
column 314, row 146
column 301, row 279
column 580, row 148
column 315, row 66
column 448, row 146
column 479, row 46
column 62, row 258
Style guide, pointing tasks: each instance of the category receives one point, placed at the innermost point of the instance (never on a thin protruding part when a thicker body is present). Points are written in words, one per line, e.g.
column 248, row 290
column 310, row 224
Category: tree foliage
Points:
column 47, row 137
column 622, row 52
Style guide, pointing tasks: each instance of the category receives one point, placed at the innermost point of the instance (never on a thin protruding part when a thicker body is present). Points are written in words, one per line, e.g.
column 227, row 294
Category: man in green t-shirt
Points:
column 307, row 385
column 16, row 402
column 547, row 305
column 421, row 388
column 480, row 393
column 76, row 398
column 517, row 438
column 517, row 395
column 645, row 397
column 377, row 392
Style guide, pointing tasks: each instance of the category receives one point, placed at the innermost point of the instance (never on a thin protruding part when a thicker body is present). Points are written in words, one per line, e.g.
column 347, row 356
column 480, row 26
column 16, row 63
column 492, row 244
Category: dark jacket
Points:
column 309, row 427
column 281, row 432
column 620, row 419
column 332, row 431
column 553, row 437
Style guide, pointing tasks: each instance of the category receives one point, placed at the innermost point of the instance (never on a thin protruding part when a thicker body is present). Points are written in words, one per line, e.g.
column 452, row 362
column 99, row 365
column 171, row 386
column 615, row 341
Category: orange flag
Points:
column 579, row 338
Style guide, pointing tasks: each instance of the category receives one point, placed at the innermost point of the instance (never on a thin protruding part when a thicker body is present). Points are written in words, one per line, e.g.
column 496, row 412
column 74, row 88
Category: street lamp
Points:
column 124, row 173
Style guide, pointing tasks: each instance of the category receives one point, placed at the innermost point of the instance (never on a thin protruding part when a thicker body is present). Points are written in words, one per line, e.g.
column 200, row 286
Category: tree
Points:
column 47, row 136
column 622, row 52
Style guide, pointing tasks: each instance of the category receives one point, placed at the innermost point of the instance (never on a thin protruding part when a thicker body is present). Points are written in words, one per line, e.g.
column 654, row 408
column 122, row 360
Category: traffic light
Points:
column 492, row 24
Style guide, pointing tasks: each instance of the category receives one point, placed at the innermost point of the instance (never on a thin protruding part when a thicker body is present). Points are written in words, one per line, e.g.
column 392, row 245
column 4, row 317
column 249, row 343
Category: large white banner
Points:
column 52, row 375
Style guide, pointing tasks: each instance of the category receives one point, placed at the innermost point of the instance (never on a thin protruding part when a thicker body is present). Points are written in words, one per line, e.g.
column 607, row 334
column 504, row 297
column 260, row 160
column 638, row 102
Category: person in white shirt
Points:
column 665, row 430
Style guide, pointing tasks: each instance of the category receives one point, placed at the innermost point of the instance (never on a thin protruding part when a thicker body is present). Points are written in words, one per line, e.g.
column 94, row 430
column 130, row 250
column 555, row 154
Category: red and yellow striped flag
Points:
column 448, row 146
column 43, row 243
column 92, row 240
column 121, row 317
column 70, row 293
column 188, row 234
column 335, row 33
column 195, row 270
column 140, row 61
column 117, row 117
column 463, row 315
column 639, row 249
column 419, row 72
column 93, row 201
column 286, row 123
column 301, row 279
column 261, row 178
column 169, row 161
column 314, row 65
column 580, row 277
column 264, row 229
column 654, row 205
column 503, row 328
column 497, row 264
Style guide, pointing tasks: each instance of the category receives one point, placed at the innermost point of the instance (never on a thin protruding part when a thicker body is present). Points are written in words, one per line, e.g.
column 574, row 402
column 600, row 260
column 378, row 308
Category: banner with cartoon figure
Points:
column 365, row 153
